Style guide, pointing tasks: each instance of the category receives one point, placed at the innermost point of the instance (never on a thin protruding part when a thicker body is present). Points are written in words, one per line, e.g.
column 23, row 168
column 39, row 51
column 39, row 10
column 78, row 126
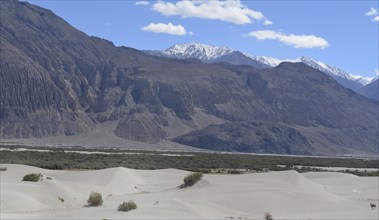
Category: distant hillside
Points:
column 371, row 90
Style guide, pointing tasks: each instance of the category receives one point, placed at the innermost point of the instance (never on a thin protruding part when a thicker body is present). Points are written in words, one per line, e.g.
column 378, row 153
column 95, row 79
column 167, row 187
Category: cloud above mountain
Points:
column 166, row 29
column 297, row 41
column 228, row 11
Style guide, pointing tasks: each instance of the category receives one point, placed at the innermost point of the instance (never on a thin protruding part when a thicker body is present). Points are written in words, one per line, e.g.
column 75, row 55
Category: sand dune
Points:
column 286, row 195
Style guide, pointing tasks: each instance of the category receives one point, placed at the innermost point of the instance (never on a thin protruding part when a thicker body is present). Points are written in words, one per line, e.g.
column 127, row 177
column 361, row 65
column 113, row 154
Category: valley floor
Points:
column 284, row 194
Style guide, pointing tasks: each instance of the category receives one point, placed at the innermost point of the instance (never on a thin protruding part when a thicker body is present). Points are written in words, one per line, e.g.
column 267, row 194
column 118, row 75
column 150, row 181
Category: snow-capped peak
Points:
column 203, row 52
column 333, row 71
column 270, row 61
column 210, row 54
column 363, row 80
column 323, row 67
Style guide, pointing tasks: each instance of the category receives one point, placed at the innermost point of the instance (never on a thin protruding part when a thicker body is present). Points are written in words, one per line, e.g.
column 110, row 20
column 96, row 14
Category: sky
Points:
column 340, row 33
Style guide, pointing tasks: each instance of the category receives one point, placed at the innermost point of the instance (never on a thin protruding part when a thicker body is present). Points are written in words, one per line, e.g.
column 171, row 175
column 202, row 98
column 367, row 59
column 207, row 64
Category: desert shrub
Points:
column 235, row 172
column 57, row 159
column 127, row 206
column 3, row 168
column 49, row 178
column 95, row 199
column 60, row 199
column 33, row 177
column 268, row 216
column 192, row 178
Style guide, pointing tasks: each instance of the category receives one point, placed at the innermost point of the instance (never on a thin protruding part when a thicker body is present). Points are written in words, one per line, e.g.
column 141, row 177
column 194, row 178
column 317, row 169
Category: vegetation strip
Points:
column 202, row 162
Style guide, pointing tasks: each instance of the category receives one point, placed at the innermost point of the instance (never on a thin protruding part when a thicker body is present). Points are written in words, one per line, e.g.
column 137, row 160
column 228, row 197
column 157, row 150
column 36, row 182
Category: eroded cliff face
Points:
column 55, row 80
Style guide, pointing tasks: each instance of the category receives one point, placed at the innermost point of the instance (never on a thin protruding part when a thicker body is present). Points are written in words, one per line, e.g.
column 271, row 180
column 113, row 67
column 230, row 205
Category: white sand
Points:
column 286, row 195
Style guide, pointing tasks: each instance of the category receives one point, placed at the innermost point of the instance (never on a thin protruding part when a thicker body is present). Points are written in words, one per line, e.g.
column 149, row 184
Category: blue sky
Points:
column 340, row 33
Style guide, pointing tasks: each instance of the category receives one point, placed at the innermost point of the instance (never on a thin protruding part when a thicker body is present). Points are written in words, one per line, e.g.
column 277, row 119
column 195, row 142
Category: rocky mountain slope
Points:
column 371, row 90
column 214, row 54
column 56, row 80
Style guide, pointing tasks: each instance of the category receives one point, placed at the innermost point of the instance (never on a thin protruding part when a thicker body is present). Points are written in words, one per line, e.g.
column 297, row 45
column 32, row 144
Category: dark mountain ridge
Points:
column 55, row 80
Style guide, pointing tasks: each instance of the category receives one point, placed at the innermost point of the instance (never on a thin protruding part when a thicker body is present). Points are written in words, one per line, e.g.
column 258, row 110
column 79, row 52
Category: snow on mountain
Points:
column 213, row 54
column 333, row 71
column 205, row 53
column 375, row 78
column 324, row 67
column 208, row 54
column 270, row 61
column 364, row 80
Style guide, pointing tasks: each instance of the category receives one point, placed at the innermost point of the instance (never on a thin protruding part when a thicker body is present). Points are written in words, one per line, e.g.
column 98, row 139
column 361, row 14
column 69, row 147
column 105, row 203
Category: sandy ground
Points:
column 285, row 194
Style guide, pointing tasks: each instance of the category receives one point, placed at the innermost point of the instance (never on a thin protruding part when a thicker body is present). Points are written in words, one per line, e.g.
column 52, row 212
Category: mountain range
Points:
column 217, row 54
column 56, row 81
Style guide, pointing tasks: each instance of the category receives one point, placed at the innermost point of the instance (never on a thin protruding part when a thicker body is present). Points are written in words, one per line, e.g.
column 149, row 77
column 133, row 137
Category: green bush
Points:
column 192, row 178
column 95, row 199
column 33, row 177
column 127, row 206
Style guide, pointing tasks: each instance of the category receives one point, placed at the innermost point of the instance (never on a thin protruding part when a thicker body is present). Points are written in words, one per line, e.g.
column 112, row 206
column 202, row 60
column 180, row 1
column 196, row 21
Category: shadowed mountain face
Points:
column 55, row 80
column 371, row 90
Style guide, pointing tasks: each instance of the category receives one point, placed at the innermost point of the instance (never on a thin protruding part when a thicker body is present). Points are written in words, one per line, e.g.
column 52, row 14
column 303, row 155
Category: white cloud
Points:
column 190, row 33
column 373, row 13
column 267, row 22
column 298, row 41
column 231, row 11
column 165, row 28
column 142, row 3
